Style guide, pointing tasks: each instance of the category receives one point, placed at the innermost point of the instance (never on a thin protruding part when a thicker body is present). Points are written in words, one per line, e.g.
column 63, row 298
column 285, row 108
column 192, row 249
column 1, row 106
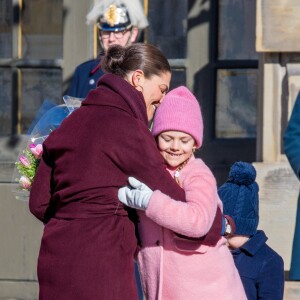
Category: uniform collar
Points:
column 96, row 66
column 95, row 70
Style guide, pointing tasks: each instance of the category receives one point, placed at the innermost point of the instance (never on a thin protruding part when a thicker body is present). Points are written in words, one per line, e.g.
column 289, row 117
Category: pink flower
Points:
column 24, row 160
column 36, row 150
column 25, row 182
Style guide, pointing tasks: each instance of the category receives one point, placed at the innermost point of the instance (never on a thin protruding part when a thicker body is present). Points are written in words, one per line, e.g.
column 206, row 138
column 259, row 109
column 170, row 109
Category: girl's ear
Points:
column 137, row 78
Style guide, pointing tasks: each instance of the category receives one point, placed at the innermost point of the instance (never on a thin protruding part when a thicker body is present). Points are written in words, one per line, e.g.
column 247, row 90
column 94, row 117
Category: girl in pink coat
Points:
column 182, row 254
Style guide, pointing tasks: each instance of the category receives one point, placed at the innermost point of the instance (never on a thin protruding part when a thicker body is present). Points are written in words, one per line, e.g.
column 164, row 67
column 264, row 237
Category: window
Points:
column 30, row 61
column 236, row 63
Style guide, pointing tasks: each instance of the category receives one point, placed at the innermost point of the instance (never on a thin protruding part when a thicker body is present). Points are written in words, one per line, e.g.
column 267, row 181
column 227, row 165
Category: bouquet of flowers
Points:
column 26, row 167
column 28, row 164
column 29, row 160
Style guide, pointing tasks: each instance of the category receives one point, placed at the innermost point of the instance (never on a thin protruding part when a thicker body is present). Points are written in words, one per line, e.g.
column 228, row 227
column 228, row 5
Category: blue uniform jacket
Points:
column 85, row 78
column 261, row 269
column 292, row 151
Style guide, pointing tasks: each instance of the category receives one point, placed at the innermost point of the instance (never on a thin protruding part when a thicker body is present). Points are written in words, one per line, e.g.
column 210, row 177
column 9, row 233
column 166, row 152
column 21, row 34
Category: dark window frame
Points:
column 217, row 64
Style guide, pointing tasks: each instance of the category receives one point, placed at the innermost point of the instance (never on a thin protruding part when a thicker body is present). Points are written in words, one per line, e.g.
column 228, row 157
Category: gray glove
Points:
column 136, row 197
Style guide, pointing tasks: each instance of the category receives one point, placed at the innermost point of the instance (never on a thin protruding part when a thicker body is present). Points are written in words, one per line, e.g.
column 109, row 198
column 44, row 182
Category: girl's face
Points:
column 175, row 147
column 154, row 90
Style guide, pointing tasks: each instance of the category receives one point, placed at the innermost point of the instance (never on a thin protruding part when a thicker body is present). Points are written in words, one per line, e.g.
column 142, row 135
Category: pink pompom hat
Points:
column 179, row 111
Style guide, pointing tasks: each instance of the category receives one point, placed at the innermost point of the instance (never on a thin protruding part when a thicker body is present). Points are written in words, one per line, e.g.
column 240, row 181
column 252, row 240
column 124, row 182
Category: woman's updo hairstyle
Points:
column 120, row 60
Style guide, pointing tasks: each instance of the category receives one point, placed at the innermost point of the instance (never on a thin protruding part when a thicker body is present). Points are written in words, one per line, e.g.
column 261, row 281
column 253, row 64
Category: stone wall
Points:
column 278, row 194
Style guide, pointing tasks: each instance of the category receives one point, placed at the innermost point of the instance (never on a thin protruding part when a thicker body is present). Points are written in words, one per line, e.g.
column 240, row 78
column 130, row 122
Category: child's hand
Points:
column 137, row 196
column 229, row 226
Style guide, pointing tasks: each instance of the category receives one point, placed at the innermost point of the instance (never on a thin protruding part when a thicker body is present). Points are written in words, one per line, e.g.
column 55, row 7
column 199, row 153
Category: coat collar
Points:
column 113, row 90
column 253, row 245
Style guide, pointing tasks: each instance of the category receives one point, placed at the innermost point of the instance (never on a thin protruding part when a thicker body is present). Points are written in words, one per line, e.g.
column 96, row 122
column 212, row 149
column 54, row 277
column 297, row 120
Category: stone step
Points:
column 292, row 290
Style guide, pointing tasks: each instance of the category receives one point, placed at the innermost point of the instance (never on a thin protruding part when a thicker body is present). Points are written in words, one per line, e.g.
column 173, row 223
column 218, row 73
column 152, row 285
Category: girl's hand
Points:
column 137, row 195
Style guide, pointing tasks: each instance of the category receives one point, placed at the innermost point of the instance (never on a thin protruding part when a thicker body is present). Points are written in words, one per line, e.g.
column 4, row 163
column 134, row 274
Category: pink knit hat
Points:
column 179, row 111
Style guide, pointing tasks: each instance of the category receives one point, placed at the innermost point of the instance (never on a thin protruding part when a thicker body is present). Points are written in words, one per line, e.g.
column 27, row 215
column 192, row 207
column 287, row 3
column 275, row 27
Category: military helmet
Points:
column 115, row 18
column 117, row 15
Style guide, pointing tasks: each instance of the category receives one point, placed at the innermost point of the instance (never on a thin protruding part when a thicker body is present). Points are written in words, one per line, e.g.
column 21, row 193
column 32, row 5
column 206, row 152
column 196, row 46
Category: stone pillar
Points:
column 277, row 40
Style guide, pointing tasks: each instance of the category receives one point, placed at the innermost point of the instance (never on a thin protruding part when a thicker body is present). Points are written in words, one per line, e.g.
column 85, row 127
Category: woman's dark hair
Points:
column 120, row 60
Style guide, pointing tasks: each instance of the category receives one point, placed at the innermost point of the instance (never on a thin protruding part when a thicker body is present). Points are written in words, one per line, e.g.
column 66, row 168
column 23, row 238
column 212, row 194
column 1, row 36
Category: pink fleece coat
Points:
column 176, row 268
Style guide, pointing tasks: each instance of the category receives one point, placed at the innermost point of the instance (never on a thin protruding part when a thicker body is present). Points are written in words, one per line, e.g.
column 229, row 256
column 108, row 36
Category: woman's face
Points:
column 175, row 147
column 154, row 90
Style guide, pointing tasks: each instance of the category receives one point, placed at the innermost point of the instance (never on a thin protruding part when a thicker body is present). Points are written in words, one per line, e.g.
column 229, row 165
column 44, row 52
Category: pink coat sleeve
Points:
column 194, row 217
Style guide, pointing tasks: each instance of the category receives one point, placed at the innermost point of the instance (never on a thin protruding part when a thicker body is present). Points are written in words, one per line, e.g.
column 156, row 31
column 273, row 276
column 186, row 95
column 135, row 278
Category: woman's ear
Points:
column 137, row 78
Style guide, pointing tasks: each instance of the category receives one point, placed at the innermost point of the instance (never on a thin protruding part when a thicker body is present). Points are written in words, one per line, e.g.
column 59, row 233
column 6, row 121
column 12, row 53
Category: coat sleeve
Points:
column 292, row 138
column 194, row 217
column 270, row 283
column 40, row 193
column 132, row 151
column 137, row 155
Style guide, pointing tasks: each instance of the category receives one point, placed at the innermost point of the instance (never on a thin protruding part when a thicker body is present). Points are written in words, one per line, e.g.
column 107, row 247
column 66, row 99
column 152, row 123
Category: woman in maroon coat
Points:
column 88, row 245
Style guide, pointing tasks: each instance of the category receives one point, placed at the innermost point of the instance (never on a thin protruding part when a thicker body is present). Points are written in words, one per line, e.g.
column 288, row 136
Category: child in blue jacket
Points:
column 260, row 267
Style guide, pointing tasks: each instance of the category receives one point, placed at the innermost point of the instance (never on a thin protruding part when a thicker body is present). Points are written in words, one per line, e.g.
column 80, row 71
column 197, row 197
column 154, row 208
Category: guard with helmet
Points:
column 118, row 22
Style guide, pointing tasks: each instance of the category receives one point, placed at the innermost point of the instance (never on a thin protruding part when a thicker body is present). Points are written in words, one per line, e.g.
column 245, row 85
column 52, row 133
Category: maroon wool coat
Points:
column 87, row 249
